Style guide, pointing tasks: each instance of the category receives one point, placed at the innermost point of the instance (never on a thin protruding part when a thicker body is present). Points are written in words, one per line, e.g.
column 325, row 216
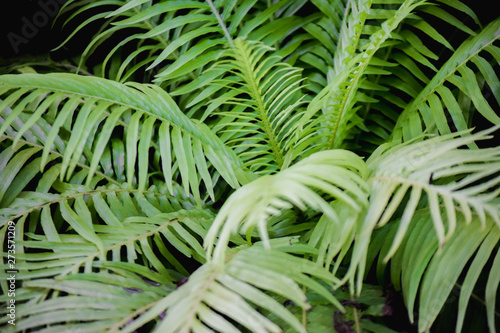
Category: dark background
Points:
column 42, row 38
column 36, row 18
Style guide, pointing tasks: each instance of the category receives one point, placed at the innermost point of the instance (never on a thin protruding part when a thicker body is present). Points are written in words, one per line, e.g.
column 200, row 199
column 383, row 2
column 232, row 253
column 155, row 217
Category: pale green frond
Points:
column 333, row 237
column 250, row 276
column 446, row 174
column 454, row 256
column 336, row 173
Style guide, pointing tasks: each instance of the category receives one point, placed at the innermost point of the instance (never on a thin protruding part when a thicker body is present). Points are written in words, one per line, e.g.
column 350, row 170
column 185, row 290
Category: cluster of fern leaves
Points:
column 251, row 165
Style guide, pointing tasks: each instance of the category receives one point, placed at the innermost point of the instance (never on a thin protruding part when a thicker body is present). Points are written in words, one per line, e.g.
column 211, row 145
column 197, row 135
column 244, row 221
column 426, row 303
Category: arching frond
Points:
column 454, row 182
column 147, row 114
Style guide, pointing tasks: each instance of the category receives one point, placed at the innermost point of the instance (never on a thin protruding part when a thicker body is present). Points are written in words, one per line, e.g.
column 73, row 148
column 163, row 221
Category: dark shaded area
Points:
column 27, row 28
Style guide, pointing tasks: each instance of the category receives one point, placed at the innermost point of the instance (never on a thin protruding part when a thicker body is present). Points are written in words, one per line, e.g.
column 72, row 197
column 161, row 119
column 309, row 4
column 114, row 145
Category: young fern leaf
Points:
column 368, row 100
column 337, row 100
column 399, row 71
column 264, row 100
column 355, row 16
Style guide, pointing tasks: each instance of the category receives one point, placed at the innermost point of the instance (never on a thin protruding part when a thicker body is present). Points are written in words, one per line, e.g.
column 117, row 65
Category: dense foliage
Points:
column 250, row 165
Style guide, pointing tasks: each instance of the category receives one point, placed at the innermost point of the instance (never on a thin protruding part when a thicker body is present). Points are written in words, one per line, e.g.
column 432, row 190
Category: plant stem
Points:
column 356, row 318
column 304, row 315
column 221, row 23
column 477, row 298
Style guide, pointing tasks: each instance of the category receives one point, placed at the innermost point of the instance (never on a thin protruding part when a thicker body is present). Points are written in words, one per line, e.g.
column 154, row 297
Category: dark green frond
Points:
column 438, row 100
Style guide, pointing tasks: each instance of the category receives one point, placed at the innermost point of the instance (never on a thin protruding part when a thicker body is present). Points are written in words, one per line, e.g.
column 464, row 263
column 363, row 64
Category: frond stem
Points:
column 81, row 165
column 131, row 316
column 359, row 69
column 304, row 312
column 356, row 316
column 221, row 23
column 69, row 197
column 342, row 108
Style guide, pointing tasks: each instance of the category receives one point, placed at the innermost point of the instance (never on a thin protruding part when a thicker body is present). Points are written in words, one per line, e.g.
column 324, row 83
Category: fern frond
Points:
column 371, row 97
column 447, row 176
column 104, row 298
column 104, row 104
column 414, row 270
column 175, row 45
column 131, row 224
column 337, row 99
column 401, row 70
column 264, row 101
column 337, row 173
column 216, row 297
column 437, row 96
